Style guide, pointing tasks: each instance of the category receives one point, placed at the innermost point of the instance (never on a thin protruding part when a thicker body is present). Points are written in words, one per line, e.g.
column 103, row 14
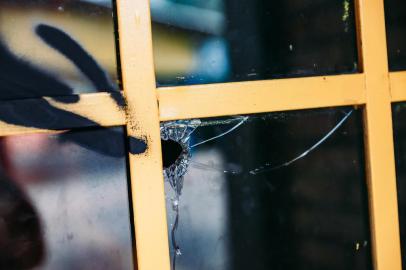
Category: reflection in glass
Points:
column 198, row 42
column 399, row 133
column 89, row 22
column 267, row 191
column 396, row 33
column 63, row 206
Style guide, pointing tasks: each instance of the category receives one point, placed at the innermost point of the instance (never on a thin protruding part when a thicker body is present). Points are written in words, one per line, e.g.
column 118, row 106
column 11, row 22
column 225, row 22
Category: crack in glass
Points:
column 181, row 131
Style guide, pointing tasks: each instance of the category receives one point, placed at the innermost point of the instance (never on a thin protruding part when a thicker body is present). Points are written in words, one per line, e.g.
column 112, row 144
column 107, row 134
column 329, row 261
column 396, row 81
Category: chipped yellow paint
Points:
column 346, row 13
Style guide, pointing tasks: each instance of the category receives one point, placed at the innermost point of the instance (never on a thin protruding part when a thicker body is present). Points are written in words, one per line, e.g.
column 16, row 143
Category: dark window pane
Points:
column 269, row 191
column 198, row 42
column 39, row 61
column 396, row 33
column 64, row 206
column 399, row 133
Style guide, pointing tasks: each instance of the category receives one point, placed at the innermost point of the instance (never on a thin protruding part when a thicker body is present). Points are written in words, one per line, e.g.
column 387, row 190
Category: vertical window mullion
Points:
column 379, row 137
column 147, row 186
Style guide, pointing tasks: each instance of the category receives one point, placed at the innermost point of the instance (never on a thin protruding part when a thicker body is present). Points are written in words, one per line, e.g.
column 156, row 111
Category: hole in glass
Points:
column 171, row 151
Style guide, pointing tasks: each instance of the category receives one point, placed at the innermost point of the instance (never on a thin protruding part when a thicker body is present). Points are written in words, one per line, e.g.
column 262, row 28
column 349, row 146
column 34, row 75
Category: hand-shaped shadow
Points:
column 21, row 241
column 20, row 79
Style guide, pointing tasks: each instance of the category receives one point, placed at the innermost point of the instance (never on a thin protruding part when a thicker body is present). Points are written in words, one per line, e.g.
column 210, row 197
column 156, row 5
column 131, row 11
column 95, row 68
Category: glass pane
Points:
column 64, row 206
column 396, row 33
column 399, row 133
column 267, row 191
column 51, row 61
column 197, row 42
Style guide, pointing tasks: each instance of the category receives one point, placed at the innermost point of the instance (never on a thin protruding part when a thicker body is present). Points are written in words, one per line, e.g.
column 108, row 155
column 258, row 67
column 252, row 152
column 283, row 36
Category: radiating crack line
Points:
column 267, row 167
column 222, row 134
column 262, row 169
column 175, row 246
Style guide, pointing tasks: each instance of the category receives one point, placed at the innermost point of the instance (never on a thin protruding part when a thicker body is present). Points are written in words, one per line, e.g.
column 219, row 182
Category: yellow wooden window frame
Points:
column 375, row 88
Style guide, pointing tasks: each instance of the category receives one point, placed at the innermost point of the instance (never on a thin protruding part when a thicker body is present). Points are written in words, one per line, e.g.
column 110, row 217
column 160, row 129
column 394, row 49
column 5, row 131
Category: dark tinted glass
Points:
column 199, row 41
column 399, row 132
column 39, row 61
column 395, row 11
column 64, row 206
column 268, row 191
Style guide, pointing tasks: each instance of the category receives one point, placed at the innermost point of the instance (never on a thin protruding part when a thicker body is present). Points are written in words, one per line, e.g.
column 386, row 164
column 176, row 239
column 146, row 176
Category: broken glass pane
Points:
column 51, row 63
column 267, row 191
column 399, row 134
column 198, row 42
column 63, row 206
column 396, row 33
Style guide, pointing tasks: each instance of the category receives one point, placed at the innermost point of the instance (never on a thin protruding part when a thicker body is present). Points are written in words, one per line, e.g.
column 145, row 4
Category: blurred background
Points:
column 91, row 24
column 80, row 200
column 198, row 41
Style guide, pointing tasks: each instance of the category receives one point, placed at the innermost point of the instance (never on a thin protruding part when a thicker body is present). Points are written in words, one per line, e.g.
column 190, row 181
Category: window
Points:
column 353, row 99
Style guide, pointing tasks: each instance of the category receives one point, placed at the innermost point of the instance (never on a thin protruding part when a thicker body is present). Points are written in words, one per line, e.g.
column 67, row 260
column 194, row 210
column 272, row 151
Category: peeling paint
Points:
column 346, row 14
